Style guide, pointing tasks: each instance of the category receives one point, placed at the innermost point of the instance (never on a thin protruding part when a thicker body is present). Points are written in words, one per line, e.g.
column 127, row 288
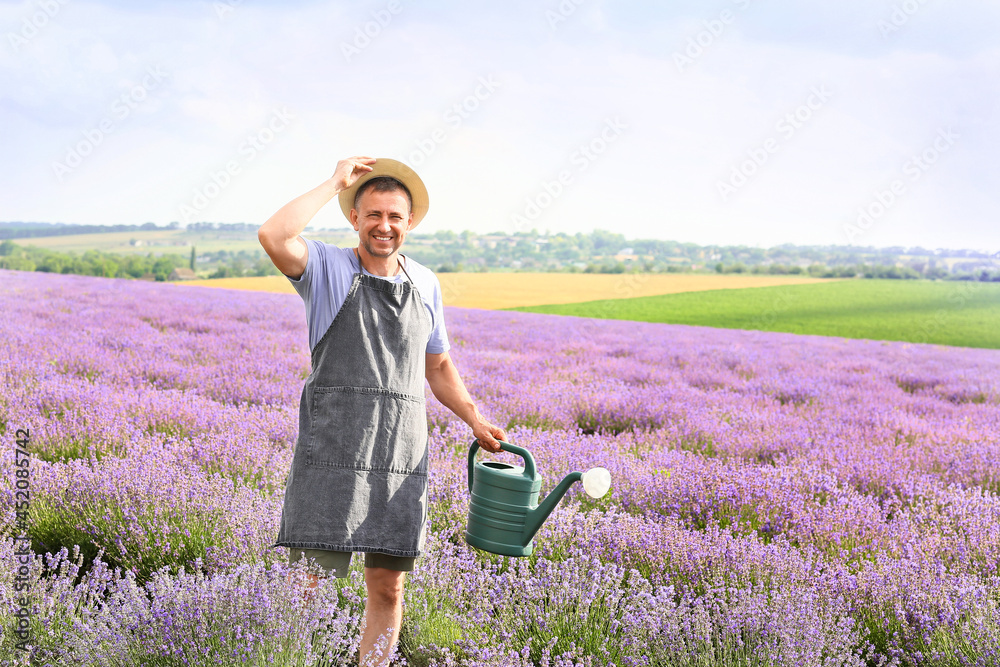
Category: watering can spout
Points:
column 596, row 482
column 537, row 516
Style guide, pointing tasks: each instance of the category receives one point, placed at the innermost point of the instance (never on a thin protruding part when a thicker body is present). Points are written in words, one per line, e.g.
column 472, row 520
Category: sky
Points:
column 731, row 122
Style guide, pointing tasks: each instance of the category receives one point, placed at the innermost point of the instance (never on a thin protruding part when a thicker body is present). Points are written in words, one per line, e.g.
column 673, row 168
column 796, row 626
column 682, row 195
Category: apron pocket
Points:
column 365, row 428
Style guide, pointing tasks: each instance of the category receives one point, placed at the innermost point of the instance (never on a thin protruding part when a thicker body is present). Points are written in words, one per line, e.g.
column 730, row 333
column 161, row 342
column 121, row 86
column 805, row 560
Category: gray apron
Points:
column 358, row 479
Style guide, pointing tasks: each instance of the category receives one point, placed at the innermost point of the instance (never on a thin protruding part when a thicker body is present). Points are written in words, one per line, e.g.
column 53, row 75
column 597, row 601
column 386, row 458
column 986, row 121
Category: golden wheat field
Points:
column 493, row 291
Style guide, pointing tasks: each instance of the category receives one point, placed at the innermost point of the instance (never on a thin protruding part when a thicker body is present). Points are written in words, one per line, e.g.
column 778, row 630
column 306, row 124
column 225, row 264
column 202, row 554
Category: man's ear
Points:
column 409, row 222
column 354, row 219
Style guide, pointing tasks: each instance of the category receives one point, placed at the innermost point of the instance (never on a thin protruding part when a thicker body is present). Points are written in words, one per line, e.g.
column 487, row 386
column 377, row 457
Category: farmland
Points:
column 949, row 313
column 118, row 242
column 508, row 290
column 173, row 241
column 777, row 499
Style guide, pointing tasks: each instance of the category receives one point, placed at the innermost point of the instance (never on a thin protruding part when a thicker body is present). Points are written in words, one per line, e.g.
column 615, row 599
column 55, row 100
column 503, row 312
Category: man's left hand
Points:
column 487, row 434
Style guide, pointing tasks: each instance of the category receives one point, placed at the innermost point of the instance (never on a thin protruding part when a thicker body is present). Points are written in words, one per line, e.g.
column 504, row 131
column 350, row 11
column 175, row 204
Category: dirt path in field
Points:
column 492, row 291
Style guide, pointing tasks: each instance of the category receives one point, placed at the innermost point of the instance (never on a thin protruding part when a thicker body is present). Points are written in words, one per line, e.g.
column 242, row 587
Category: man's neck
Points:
column 380, row 266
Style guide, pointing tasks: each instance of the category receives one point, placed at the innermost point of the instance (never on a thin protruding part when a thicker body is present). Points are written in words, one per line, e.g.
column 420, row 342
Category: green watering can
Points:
column 504, row 513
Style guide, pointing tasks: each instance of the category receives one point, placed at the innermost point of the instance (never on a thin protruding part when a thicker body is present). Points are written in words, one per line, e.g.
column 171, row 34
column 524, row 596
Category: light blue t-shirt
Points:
column 327, row 279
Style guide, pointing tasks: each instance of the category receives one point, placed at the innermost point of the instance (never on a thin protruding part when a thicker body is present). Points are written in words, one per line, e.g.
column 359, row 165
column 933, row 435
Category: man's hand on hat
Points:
column 350, row 170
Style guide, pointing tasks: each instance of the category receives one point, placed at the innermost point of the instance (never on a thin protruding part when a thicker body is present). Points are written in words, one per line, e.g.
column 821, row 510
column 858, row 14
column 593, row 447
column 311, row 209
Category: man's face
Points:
column 382, row 220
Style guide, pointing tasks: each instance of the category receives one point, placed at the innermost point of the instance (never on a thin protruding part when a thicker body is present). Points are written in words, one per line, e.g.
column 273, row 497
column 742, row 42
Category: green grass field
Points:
column 948, row 313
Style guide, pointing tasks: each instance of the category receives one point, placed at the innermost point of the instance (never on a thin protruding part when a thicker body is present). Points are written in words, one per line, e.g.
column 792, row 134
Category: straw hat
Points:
column 387, row 167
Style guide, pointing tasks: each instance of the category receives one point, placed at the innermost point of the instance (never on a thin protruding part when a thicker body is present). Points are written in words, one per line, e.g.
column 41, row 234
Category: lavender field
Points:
column 776, row 499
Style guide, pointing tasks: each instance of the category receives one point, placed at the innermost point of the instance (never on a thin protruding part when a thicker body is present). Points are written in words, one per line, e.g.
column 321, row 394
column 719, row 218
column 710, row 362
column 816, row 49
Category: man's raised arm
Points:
column 279, row 236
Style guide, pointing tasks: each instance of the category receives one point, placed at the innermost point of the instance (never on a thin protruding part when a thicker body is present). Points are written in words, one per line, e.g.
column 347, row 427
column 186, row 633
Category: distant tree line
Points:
column 891, row 272
column 606, row 252
column 239, row 264
column 111, row 265
column 90, row 263
column 599, row 251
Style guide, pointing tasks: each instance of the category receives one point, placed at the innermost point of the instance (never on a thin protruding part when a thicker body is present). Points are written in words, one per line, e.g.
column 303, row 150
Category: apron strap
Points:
column 404, row 269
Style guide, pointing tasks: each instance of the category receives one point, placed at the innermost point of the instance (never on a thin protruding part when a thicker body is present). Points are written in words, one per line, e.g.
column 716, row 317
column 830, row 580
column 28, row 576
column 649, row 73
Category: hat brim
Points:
column 388, row 167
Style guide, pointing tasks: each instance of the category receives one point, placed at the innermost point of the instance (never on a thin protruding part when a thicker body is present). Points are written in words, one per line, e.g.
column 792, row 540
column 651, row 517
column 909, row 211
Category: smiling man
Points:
column 358, row 479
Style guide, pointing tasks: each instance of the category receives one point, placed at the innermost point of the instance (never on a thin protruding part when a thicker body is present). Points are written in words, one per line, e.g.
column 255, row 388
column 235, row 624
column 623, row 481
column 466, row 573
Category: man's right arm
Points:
column 279, row 236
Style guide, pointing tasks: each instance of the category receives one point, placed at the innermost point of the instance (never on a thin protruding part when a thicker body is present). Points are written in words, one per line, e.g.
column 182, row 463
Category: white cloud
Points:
column 686, row 130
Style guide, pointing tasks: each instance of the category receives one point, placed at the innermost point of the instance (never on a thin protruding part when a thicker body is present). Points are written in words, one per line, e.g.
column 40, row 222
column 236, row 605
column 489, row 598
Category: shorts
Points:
column 338, row 563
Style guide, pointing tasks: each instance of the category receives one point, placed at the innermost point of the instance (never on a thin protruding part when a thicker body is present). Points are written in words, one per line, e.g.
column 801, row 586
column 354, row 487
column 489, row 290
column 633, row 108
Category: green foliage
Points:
column 432, row 622
column 104, row 525
column 232, row 250
column 111, row 265
column 605, row 252
column 66, row 448
column 533, row 420
column 919, row 311
column 90, row 263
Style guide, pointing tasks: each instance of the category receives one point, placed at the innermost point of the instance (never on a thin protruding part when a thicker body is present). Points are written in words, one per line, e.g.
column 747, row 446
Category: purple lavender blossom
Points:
column 776, row 499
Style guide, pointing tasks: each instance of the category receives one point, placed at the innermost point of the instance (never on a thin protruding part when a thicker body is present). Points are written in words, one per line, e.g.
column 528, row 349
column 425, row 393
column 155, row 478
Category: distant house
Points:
column 623, row 256
column 182, row 274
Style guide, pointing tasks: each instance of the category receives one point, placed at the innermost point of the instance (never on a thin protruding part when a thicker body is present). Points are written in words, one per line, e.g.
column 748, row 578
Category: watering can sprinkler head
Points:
column 504, row 513
column 596, row 482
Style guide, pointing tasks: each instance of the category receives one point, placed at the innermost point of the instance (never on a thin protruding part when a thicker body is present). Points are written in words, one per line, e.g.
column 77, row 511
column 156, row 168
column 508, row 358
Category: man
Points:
column 358, row 479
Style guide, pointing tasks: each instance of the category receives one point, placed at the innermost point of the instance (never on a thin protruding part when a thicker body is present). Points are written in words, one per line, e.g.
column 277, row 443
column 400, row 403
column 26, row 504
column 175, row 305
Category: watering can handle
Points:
column 529, row 462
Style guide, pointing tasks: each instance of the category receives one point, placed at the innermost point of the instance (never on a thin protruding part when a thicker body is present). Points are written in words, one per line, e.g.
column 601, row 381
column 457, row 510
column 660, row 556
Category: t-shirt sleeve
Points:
column 303, row 284
column 438, row 342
